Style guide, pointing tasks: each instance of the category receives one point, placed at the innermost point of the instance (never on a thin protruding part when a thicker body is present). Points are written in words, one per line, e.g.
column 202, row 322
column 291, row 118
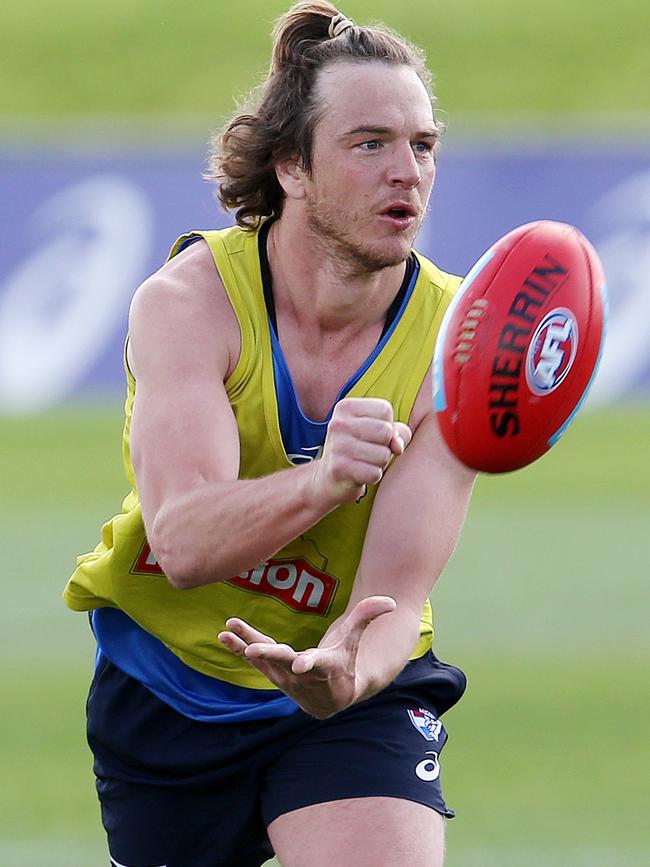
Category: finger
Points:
column 274, row 672
column 232, row 642
column 316, row 662
column 363, row 474
column 363, row 428
column 246, row 632
column 364, row 613
column 368, row 407
column 305, row 661
column 376, row 454
column 355, row 472
column 401, row 437
column 281, row 654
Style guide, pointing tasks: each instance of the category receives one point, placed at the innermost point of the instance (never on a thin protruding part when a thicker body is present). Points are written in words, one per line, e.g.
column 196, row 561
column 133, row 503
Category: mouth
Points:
column 401, row 215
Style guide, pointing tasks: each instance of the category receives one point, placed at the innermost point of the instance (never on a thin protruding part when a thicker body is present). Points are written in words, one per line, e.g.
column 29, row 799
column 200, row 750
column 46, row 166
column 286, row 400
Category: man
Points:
column 291, row 492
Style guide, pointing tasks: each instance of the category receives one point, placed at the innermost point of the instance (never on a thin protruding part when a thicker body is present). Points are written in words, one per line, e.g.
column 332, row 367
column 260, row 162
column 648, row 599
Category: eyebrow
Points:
column 430, row 132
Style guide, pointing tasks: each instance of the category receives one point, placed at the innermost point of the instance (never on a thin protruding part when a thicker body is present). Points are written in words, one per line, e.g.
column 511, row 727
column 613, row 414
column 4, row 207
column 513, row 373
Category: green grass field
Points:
column 157, row 57
column 543, row 605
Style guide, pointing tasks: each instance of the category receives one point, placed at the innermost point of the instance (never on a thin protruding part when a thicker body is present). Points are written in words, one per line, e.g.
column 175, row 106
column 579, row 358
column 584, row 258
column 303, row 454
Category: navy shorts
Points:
column 182, row 793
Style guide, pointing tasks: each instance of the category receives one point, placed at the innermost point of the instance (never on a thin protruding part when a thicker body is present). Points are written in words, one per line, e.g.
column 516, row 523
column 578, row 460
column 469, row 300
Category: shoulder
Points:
column 189, row 278
column 184, row 304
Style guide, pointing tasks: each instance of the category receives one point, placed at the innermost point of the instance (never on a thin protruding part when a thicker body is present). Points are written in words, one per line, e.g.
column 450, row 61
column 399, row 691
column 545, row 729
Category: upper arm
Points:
column 417, row 516
column 183, row 343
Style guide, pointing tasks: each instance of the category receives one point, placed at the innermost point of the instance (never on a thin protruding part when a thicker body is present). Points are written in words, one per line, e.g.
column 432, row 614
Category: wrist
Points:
column 320, row 490
column 365, row 687
column 328, row 490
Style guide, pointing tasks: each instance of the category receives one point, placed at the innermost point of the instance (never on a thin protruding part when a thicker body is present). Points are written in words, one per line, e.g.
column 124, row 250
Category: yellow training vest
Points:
column 297, row 594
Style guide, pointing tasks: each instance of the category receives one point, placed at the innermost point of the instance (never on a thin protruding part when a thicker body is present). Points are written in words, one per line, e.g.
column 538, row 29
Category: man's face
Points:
column 372, row 162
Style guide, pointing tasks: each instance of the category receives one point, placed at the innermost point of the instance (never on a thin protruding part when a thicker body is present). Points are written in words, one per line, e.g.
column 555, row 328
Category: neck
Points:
column 321, row 286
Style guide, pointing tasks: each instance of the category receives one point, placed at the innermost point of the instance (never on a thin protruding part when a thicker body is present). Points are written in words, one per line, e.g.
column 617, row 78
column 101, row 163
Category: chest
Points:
column 320, row 369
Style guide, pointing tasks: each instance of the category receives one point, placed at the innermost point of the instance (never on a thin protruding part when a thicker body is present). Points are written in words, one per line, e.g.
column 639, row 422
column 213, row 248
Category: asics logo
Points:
column 428, row 769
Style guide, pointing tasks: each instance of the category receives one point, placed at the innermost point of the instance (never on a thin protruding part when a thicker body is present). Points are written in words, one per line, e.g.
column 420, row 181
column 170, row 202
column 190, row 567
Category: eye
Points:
column 423, row 147
column 372, row 145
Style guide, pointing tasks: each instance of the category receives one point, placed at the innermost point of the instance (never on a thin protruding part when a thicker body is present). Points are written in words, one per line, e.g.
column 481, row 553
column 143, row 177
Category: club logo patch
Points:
column 551, row 351
column 426, row 723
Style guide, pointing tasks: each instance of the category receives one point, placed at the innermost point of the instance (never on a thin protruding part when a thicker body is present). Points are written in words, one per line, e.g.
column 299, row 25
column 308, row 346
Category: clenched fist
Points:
column 362, row 438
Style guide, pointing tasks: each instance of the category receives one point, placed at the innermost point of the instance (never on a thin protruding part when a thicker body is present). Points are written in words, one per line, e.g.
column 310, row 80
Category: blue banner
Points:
column 81, row 232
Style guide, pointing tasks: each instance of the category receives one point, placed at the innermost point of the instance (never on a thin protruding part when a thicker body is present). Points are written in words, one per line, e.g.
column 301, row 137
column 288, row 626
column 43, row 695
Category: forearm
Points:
column 416, row 522
column 218, row 529
column 385, row 649
column 205, row 525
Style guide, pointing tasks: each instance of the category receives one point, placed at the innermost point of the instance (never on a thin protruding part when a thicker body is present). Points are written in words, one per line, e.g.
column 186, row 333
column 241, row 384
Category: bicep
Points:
column 183, row 430
column 180, row 439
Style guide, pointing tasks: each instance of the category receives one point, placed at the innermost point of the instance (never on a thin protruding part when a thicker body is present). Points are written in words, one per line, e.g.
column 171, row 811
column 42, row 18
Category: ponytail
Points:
column 304, row 25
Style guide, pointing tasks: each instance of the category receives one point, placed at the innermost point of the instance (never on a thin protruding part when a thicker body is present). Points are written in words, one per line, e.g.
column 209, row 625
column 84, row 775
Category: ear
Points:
column 291, row 177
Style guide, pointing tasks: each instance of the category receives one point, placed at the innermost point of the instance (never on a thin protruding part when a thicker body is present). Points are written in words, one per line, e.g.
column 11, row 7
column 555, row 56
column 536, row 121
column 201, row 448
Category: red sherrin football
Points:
column 519, row 346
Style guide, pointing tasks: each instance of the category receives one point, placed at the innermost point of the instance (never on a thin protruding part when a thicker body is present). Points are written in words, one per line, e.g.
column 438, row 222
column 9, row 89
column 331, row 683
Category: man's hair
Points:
column 279, row 119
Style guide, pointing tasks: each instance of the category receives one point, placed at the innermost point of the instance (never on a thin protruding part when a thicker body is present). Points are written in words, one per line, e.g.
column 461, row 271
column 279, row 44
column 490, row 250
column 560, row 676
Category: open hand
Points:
column 323, row 680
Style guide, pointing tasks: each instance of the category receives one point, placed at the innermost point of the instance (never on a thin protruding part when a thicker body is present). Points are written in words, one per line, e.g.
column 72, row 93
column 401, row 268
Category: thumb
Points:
column 364, row 612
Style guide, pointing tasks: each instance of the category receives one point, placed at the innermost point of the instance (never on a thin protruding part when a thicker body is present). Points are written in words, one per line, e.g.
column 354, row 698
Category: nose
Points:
column 404, row 170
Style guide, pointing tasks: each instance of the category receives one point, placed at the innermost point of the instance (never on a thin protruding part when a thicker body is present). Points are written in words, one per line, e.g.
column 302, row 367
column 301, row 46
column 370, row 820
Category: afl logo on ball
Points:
column 551, row 351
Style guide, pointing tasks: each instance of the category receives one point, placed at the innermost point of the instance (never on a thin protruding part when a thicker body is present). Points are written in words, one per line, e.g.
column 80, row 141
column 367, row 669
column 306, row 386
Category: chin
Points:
column 368, row 260
column 389, row 254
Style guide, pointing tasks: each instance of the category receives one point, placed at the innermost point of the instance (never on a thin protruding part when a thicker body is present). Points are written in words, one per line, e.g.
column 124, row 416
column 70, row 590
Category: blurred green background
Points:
column 544, row 604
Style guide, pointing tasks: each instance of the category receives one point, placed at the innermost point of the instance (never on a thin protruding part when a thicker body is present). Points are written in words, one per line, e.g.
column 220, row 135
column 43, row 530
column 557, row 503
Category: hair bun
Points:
column 338, row 25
